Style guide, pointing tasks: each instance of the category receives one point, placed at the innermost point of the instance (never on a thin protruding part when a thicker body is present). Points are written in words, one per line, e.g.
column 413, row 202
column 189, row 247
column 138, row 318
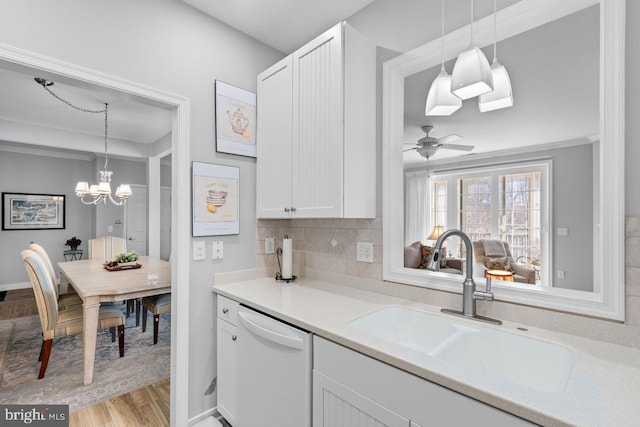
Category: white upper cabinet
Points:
column 316, row 130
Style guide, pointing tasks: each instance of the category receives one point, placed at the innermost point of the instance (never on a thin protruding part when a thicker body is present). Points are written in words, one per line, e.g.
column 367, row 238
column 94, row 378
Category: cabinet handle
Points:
column 225, row 310
column 234, row 337
column 293, row 209
column 287, row 209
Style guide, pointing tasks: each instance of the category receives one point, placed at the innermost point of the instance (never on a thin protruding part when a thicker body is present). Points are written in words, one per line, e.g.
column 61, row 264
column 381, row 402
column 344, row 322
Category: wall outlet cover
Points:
column 217, row 250
column 364, row 252
column 269, row 245
column 199, row 250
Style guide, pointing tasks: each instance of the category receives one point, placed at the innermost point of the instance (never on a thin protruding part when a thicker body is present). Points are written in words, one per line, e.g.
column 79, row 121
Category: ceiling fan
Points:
column 428, row 145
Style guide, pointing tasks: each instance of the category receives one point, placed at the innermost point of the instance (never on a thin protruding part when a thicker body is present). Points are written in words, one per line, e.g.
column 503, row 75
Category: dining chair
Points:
column 61, row 323
column 64, row 300
column 106, row 247
column 157, row 305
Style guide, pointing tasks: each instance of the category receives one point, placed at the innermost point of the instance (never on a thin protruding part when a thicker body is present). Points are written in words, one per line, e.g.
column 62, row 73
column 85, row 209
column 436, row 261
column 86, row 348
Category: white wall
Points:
column 167, row 45
column 632, row 89
column 27, row 173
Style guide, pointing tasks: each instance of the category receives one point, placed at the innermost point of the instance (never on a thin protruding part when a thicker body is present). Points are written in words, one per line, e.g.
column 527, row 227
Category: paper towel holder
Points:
column 279, row 273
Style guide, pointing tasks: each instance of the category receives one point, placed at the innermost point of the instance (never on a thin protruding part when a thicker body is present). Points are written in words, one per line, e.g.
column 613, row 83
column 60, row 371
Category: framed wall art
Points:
column 235, row 120
column 26, row 211
column 216, row 199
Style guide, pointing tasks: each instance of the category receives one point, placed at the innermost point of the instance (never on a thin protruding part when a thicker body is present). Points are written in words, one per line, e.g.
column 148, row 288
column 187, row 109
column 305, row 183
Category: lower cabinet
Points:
column 354, row 390
column 227, row 356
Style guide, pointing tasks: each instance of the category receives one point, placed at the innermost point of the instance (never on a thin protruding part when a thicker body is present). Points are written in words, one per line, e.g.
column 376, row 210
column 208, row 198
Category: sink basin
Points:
column 510, row 357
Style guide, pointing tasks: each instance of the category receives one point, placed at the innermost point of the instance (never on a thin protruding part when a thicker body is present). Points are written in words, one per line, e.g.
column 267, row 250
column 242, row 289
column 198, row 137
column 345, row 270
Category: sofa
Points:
column 417, row 255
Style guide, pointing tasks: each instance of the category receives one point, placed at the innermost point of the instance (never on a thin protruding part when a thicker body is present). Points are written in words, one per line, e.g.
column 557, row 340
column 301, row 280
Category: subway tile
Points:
column 632, row 226
column 376, row 237
column 632, row 251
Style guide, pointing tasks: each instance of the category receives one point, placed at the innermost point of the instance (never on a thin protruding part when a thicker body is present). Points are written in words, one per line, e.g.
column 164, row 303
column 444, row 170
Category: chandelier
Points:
column 95, row 194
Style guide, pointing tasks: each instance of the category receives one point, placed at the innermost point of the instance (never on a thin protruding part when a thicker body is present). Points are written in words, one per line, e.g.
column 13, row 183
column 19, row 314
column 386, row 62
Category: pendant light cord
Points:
column 495, row 31
column 442, row 32
column 45, row 84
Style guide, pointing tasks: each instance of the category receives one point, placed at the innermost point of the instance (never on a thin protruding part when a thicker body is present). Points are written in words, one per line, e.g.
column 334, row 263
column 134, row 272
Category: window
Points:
column 510, row 203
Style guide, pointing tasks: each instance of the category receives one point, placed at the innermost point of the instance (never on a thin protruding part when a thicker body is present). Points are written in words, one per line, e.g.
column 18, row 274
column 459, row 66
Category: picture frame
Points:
column 30, row 211
column 215, row 199
column 235, row 116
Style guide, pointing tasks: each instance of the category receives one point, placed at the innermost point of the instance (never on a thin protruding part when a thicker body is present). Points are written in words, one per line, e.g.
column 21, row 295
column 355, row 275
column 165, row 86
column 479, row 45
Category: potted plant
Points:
column 73, row 243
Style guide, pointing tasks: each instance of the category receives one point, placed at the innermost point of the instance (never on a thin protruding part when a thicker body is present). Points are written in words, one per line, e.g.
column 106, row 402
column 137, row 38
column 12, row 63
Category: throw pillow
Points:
column 500, row 263
column 427, row 253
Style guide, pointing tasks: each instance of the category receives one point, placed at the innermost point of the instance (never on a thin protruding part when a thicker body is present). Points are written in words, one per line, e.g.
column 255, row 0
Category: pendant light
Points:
column 440, row 100
column 471, row 74
column 502, row 95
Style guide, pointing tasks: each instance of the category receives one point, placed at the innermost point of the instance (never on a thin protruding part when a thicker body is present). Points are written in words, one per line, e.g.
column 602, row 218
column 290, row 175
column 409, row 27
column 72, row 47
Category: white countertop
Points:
column 604, row 388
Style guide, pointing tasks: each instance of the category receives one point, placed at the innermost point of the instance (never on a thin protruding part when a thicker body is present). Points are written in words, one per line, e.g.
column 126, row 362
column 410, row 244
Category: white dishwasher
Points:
column 274, row 372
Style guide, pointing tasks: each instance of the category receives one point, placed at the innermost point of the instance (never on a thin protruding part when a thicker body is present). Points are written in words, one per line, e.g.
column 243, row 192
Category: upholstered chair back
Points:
column 47, row 263
column 43, row 288
column 106, row 247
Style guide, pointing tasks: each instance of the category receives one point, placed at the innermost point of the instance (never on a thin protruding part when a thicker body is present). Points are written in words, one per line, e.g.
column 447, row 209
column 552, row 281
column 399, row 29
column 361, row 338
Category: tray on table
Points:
column 122, row 266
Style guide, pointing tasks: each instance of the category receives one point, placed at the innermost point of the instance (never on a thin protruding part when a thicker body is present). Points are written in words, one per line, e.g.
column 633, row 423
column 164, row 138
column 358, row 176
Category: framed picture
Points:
column 235, row 120
column 216, row 199
column 25, row 211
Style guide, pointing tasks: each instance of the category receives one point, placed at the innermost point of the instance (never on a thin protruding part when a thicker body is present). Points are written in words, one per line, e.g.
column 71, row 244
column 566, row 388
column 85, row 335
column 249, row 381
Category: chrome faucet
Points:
column 469, row 292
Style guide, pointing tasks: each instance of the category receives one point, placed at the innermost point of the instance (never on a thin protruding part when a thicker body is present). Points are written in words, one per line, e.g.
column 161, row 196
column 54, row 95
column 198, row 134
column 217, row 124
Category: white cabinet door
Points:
column 318, row 127
column 335, row 405
column 275, row 127
column 227, row 370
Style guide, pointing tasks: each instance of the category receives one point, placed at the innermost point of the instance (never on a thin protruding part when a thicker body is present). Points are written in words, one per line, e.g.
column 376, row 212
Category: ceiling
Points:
column 395, row 25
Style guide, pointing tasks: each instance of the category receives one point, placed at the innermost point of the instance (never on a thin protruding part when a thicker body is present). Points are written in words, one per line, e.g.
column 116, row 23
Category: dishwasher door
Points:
column 274, row 372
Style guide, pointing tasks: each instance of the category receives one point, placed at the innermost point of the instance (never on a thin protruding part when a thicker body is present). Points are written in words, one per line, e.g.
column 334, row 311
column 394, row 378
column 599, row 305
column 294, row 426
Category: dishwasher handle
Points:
column 276, row 337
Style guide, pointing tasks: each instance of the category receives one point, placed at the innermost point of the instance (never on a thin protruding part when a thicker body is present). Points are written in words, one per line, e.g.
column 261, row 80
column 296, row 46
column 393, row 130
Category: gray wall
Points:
column 26, row 173
column 168, row 45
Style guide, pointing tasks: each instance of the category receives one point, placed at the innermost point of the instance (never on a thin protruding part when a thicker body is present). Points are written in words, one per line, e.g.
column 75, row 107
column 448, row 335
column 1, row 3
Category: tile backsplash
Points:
column 330, row 245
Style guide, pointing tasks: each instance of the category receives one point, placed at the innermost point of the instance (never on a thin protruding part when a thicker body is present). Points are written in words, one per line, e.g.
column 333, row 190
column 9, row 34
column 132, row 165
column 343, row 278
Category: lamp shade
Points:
column 123, row 191
column 471, row 74
column 82, row 187
column 436, row 232
column 501, row 96
column 440, row 100
column 104, row 188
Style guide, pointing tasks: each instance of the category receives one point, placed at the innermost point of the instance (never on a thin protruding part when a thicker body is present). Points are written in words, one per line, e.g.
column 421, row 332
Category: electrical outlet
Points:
column 364, row 252
column 269, row 245
column 560, row 274
column 217, row 249
column 199, row 250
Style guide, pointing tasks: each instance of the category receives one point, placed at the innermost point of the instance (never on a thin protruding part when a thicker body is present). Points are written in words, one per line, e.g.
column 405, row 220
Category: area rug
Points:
column 142, row 364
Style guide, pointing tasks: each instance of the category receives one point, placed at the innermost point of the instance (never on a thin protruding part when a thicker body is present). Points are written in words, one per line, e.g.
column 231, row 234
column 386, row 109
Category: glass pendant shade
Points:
column 501, row 96
column 471, row 74
column 440, row 100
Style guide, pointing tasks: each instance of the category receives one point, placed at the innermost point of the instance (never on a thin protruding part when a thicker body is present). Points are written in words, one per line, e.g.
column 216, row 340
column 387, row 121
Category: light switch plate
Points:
column 563, row 231
column 217, row 249
column 269, row 245
column 199, row 250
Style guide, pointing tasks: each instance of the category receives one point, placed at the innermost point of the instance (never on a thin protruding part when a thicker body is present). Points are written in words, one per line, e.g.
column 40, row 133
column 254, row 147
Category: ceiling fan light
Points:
column 440, row 100
column 502, row 95
column 471, row 74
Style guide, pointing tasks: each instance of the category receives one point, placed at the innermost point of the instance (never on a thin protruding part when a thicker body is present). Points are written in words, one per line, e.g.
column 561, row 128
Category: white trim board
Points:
column 181, row 196
column 14, row 286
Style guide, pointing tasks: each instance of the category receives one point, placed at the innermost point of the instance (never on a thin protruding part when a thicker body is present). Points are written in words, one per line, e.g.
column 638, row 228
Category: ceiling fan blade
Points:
column 409, row 149
column 449, row 138
column 457, row 147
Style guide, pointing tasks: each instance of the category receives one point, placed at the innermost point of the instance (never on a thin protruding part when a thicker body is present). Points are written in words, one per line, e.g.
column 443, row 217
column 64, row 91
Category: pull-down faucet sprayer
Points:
column 469, row 292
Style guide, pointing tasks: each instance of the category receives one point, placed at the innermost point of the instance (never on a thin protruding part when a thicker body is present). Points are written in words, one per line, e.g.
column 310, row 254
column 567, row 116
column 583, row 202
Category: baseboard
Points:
column 13, row 286
column 208, row 413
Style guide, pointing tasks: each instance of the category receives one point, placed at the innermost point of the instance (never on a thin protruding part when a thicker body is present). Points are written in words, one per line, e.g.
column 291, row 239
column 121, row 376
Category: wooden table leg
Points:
column 91, row 308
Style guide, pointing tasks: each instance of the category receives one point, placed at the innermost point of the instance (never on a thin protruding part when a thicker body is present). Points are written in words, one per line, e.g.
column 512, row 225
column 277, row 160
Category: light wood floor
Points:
column 147, row 406
column 18, row 303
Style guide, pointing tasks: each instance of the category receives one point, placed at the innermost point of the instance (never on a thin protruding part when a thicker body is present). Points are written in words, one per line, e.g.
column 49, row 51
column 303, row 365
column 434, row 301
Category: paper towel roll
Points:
column 287, row 258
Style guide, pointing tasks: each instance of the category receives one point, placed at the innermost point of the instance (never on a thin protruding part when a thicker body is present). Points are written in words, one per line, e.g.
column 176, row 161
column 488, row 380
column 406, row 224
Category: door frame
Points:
column 127, row 208
column 181, row 191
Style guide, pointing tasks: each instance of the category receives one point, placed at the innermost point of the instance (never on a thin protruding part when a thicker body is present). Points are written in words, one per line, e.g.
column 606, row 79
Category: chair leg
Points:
column 46, row 346
column 121, row 339
column 144, row 319
column 113, row 333
column 156, row 320
column 138, row 312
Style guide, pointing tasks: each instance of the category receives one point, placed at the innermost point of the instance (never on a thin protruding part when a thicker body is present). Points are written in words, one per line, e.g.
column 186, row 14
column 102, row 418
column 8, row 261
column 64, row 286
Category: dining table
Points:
column 95, row 284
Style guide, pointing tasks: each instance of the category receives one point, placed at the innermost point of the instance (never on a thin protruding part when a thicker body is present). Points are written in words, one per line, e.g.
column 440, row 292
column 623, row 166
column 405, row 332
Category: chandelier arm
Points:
column 119, row 203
